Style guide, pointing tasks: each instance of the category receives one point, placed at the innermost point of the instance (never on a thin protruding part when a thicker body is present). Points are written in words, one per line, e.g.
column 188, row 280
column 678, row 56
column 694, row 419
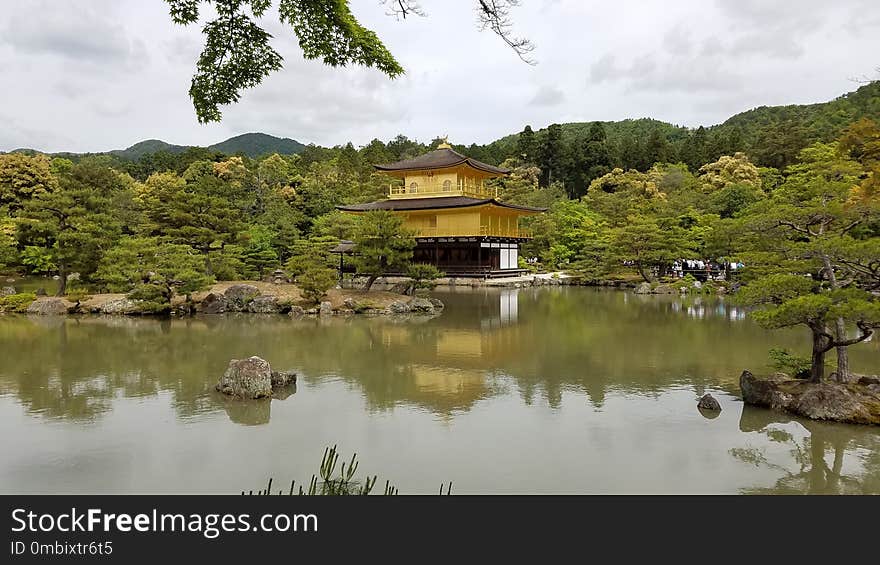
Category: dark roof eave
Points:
column 431, row 203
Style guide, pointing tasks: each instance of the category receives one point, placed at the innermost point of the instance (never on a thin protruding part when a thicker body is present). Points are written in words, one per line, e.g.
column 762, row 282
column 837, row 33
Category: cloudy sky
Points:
column 94, row 75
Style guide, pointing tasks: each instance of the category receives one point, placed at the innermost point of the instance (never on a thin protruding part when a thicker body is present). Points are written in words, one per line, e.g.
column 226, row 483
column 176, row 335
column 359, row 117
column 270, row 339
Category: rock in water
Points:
column 49, row 307
column 252, row 378
column 282, row 379
column 238, row 296
column 838, row 402
column 247, row 378
column 421, row 306
column 7, row 291
column 708, row 402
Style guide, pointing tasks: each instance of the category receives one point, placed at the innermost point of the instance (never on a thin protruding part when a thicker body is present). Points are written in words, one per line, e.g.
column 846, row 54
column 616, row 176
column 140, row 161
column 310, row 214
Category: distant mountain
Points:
column 251, row 144
column 146, row 147
column 258, row 144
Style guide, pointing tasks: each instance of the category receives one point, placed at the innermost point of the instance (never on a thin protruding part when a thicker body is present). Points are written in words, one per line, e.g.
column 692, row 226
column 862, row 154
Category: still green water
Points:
column 556, row 390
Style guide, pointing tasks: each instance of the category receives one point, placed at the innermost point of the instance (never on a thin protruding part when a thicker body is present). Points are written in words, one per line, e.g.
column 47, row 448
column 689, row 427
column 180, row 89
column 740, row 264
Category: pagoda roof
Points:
column 405, row 204
column 440, row 159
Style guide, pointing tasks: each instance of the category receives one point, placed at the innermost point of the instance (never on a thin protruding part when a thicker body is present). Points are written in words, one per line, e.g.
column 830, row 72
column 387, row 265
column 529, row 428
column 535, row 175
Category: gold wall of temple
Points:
column 464, row 222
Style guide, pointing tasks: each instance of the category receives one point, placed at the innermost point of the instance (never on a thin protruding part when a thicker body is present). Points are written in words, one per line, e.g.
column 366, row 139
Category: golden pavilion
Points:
column 461, row 227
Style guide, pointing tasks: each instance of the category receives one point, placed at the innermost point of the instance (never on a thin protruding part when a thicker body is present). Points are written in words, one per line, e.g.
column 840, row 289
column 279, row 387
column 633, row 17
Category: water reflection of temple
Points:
column 454, row 374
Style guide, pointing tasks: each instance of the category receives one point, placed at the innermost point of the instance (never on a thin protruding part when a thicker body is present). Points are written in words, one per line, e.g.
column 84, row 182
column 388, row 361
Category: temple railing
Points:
column 439, row 189
column 486, row 231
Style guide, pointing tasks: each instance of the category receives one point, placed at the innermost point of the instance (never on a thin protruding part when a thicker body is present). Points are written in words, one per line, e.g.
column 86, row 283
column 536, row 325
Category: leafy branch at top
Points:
column 237, row 54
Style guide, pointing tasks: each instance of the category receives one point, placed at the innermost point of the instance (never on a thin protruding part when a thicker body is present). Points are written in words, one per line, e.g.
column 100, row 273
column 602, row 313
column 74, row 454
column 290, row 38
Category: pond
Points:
column 538, row 390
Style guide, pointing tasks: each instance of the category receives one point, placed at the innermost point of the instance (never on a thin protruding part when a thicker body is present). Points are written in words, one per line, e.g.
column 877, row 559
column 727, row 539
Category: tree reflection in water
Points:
column 818, row 457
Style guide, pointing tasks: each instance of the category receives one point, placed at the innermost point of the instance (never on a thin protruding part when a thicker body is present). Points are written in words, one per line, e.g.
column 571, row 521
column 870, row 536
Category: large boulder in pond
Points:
column 7, row 291
column 247, row 378
column 49, row 306
column 850, row 403
column 213, row 304
column 252, row 378
column 238, row 296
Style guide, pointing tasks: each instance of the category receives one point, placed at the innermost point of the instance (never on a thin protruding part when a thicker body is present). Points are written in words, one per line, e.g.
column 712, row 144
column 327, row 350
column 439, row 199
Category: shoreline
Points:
column 233, row 297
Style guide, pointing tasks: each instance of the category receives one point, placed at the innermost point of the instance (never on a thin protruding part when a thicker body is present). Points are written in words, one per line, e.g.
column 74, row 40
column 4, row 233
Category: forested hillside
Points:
column 771, row 136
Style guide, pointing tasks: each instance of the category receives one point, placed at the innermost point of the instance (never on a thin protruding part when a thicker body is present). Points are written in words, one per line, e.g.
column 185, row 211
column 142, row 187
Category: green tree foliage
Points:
column 423, row 275
column 551, row 155
column 75, row 223
column 732, row 183
column 650, row 245
column 153, row 271
column 315, row 281
column 809, row 253
column 786, row 300
column 337, row 225
column 194, row 210
column 383, row 245
column 258, row 254
column 23, row 177
column 307, row 253
column 526, row 148
column 9, row 256
column 590, row 159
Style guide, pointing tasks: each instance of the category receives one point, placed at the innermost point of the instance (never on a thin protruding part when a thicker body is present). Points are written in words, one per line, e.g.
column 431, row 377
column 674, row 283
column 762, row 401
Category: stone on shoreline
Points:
column 7, row 291
column 238, row 296
column 119, row 306
column 264, row 305
column 49, row 307
column 213, row 304
column 296, row 312
column 644, row 288
column 252, row 378
column 839, row 402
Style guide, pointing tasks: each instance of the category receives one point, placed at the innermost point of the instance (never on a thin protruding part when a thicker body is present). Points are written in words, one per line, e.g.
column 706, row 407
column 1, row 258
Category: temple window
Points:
column 447, row 186
column 414, row 187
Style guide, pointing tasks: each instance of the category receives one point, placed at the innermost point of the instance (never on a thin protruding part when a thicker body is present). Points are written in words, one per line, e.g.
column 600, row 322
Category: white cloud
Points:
column 103, row 74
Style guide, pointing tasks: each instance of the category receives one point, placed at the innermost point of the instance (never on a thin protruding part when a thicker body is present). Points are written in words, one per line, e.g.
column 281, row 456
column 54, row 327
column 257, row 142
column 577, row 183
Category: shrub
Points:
column 423, row 276
column 794, row 365
column 17, row 302
column 315, row 281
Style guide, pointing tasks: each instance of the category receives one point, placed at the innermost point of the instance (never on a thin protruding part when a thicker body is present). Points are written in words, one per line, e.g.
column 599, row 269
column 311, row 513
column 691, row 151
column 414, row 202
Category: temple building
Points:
column 461, row 227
